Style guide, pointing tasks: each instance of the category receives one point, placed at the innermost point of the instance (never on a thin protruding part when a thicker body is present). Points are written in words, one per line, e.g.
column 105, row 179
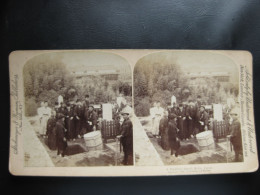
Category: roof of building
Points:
column 207, row 74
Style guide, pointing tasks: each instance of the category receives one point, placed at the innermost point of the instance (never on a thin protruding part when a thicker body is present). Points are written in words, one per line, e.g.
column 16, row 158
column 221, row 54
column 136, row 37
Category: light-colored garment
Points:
column 39, row 112
column 45, row 115
column 120, row 100
column 60, row 99
column 39, row 115
column 231, row 102
column 156, row 114
column 173, row 100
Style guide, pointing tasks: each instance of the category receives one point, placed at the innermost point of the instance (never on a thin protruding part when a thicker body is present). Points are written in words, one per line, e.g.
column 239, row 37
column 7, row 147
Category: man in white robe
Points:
column 156, row 114
column 45, row 115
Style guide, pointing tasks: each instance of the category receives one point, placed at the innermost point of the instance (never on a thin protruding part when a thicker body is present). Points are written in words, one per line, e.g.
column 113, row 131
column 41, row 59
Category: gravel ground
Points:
column 213, row 154
column 101, row 157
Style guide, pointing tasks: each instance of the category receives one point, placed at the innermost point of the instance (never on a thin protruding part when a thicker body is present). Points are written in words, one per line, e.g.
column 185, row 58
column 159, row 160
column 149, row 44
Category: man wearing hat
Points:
column 127, row 137
column 60, row 134
column 203, row 119
column 79, row 118
column 235, row 134
column 172, row 134
column 85, row 105
column 62, row 109
column 51, row 131
column 91, row 118
column 182, row 122
column 70, row 121
column 191, row 119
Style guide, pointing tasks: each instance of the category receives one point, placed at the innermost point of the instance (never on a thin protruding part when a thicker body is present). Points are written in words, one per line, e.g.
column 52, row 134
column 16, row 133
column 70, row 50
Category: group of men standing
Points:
column 70, row 121
column 66, row 122
column 80, row 117
column 191, row 118
column 184, row 121
column 178, row 122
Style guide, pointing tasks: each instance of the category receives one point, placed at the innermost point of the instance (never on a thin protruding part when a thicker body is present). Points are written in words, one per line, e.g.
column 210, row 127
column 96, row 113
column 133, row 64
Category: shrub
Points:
column 30, row 107
column 142, row 107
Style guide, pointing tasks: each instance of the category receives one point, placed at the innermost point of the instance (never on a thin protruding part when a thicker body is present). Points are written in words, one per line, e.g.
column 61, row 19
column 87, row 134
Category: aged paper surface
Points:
column 58, row 127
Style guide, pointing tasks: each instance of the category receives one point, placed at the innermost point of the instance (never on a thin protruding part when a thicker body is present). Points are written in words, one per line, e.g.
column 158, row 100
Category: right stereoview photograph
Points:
column 187, row 109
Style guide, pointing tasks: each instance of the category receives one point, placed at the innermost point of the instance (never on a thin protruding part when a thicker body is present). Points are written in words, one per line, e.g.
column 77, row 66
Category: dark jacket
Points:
column 204, row 117
column 92, row 117
column 163, row 128
column 191, row 112
column 51, row 132
column 236, row 139
column 60, row 134
column 127, row 135
column 79, row 112
column 85, row 109
column 172, row 133
column 63, row 110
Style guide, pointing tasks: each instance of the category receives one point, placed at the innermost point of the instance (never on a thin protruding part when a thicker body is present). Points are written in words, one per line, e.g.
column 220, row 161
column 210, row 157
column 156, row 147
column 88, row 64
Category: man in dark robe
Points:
column 63, row 110
column 182, row 122
column 235, row 135
column 191, row 115
column 51, row 131
column 163, row 131
column 174, row 109
column 85, row 126
column 79, row 118
column 56, row 108
column 92, row 119
column 172, row 133
column 127, row 138
column 203, row 119
column 61, row 135
column 70, row 120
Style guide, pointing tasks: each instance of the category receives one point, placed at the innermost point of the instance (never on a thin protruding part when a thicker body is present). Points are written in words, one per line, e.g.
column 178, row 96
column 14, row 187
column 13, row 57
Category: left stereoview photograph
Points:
column 76, row 112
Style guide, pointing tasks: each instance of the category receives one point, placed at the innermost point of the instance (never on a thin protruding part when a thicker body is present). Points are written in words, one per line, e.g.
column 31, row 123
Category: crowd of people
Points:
column 183, row 121
column 70, row 121
column 65, row 122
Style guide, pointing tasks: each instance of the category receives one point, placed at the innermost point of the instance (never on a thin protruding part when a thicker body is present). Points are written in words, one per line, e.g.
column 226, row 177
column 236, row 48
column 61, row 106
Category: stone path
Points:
column 145, row 153
column 35, row 154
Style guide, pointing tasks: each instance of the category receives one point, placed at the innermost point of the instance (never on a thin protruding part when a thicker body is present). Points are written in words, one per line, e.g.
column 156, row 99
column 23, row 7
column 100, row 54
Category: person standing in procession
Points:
column 191, row 117
column 174, row 109
column 163, row 128
column 62, row 109
column 172, row 133
column 46, row 114
column 235, row 135
column 92, row 119
column 203, row 119
column 79, row 117
column 126, row 137
column 182, row 122
column 56, row 107
column 157, row 114
column 70, row 119
column 51, row 131
column 85, row 126
column 61, row 135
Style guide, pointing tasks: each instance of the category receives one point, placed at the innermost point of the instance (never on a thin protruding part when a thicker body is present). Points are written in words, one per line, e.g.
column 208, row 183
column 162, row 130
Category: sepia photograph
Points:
column 77, row 109
column 187, row 108
column 131, row 112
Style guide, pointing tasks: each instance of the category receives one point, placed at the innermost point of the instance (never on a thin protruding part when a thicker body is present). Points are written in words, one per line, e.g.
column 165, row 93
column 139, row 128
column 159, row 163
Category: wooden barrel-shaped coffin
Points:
column 93, row 140
column 205, row 138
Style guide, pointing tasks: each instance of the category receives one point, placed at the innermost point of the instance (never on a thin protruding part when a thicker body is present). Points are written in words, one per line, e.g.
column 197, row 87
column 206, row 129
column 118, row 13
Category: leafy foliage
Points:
column 46, row 79
column 159, row 81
